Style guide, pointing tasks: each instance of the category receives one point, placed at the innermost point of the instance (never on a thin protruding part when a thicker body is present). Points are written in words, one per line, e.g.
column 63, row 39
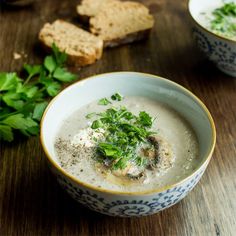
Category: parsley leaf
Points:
column 109, row 150
column 8, row 81
column 18, row 121
column 145, row 119
column 97, row 124
column 32, row 70
column 120, row 164
column 60, row 57
column 104, row 102
column 38, row 110
column 63, row 75
column 141, row 161
column 53, row 88
column 50, row 63
column 90, row 115
column 13, row 100
column 116, row 97
column 6, row 133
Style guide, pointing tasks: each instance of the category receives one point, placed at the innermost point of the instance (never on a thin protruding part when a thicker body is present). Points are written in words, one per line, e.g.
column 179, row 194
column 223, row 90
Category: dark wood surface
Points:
column 32, row 203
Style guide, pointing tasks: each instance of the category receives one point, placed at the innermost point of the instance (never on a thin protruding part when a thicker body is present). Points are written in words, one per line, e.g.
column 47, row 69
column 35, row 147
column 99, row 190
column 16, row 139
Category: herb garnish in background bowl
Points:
column 23, row 101
column 214, row 29
column 223, row 21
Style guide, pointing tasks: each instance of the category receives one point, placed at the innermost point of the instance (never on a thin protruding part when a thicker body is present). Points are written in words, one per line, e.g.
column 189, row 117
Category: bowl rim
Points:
column 72, row 178
column 204, row 28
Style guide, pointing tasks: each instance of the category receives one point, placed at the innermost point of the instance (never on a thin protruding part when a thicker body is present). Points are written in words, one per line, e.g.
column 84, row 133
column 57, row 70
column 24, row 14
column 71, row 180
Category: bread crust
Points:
column 133, row 37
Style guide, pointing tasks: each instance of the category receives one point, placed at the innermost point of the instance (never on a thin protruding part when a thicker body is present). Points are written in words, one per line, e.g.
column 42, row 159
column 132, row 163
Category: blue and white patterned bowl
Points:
column 220, row 50
column 127, row 204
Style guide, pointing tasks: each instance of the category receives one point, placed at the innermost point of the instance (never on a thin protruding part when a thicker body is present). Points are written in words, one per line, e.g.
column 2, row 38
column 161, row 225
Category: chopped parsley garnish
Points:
column 116, row 97
column 145, row 119
column 97, row 124
column 123, row 132
column 90, row 115
column 22, row 102
column 224, row 20
column 104, row 102
column 141, row 161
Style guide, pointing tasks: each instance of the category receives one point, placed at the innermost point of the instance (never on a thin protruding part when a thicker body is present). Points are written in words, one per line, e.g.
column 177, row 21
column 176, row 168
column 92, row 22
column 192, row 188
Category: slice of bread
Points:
column 89, row 8
column 82, row 47
column 121, row 22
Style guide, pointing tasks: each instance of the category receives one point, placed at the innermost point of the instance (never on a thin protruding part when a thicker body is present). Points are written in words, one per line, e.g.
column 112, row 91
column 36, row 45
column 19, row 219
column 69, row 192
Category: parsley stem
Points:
column 27, row 80
column 8, row 114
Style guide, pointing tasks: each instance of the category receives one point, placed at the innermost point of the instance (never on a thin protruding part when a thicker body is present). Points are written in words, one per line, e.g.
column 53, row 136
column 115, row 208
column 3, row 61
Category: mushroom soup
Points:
column 128, row 144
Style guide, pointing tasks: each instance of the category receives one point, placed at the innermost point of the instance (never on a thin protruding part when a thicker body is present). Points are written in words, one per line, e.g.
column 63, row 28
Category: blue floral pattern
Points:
column 122, row 205
column 202, row 41
column 222, row 53
column 128, row 208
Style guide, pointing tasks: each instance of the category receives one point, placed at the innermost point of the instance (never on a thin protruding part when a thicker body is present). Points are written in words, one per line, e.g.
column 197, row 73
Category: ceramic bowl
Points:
column 220, row 50
column 126, row 204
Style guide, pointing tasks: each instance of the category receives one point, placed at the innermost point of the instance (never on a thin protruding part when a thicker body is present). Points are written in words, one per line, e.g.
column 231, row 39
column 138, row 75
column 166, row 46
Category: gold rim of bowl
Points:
column 205, row 160
column 204, row 28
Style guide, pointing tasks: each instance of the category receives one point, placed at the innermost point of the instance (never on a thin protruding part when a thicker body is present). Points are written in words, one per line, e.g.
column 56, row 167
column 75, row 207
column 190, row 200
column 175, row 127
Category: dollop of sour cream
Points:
column 87, row 137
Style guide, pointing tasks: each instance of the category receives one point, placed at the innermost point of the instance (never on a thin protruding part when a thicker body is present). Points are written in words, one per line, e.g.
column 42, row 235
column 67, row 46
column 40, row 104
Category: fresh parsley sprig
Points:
column 23, row 101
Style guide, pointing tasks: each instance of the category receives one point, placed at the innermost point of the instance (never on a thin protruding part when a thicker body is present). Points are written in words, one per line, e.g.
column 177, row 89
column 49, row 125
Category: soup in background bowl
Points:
column 176, row 144
column 214, row 29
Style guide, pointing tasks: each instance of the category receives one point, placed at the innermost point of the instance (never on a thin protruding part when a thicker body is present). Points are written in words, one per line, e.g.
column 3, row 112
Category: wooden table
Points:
column 32, row 203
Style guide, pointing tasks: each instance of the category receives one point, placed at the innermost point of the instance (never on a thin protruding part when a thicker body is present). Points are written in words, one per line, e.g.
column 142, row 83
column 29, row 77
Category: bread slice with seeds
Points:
column 121, row 22
column 82, row 47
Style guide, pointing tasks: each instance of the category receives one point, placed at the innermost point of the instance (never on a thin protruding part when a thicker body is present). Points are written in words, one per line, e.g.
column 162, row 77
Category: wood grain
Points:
column 31, row 202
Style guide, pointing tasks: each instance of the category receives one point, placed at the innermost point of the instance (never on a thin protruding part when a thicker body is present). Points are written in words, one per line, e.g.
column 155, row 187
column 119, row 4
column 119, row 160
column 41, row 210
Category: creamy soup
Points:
column 162, row 147
column 220, row 18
